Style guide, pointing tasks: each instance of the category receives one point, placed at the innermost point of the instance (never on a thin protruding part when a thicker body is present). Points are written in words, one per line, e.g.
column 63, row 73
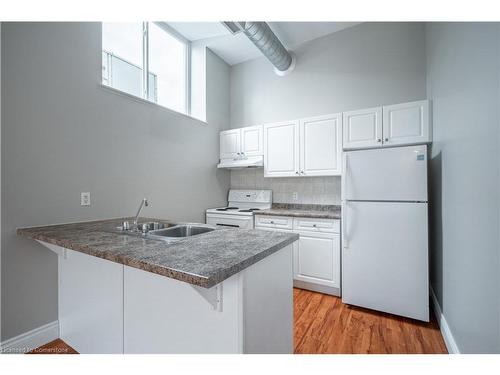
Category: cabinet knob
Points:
column 272, row 222
column 302, row 172
column 314, row 225
column 379, row 140
column 297, row 172
column 386, row 140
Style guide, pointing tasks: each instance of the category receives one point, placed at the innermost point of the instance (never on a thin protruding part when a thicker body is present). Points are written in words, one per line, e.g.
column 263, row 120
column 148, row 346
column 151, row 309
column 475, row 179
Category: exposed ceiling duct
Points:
column 267, row 42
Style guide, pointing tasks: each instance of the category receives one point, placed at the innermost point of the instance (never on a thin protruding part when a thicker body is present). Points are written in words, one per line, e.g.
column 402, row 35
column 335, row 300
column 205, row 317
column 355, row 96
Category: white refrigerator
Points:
column 385, row 230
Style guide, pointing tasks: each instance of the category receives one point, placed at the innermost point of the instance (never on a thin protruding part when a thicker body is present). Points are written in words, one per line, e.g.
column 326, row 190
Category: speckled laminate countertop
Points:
column 303, row 210
column 203, row 260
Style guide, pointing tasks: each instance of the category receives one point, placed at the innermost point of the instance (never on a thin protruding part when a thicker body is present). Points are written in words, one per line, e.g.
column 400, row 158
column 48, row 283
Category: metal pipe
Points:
column 268, row 43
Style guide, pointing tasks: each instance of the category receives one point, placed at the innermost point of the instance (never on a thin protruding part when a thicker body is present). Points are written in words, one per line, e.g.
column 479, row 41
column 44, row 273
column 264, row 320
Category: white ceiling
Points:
column 235, row 49
column 199, row 30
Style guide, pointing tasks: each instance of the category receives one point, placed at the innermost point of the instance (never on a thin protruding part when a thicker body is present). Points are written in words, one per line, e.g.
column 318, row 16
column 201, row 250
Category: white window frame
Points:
column 145, row 66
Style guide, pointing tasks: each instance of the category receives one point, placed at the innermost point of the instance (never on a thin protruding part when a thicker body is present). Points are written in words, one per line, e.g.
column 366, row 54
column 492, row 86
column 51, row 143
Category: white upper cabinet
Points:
column 281, row 149
column 230, row 144
column 407, row 123
column 362, row 128
column 320, row 145
column 392, row 125
column 242, row 142
column 252, row 141
column 307, row 147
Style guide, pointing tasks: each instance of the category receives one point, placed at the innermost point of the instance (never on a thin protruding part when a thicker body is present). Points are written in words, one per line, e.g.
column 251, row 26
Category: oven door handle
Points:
column 227, row 225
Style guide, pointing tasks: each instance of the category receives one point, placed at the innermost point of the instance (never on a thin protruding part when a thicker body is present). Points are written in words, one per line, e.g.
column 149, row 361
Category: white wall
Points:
column 367, row 65
column 63, row 134
column 463, row 82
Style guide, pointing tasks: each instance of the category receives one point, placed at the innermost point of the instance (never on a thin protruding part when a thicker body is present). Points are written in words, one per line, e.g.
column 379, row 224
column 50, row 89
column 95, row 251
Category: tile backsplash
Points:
column 310, row 190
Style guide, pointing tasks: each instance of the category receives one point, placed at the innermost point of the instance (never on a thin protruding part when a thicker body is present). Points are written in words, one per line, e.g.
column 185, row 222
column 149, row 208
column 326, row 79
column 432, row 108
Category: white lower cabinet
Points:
column 274, row 222
column 316, row 259
column 109, row 308
column 316, row 256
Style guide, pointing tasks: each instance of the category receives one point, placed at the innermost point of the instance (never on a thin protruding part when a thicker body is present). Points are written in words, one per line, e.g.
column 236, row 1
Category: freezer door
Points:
column 385, row 257
column 391, row 174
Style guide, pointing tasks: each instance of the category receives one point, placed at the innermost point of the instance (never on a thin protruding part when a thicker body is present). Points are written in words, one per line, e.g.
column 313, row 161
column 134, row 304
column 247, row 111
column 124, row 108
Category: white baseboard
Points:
column 28, row 341
column 451, row 345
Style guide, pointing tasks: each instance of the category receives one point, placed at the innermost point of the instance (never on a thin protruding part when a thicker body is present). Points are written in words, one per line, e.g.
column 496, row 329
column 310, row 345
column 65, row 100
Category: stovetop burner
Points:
column 226, row 208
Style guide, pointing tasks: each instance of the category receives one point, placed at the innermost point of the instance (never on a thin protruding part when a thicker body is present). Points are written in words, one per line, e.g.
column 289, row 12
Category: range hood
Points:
column 248, row 162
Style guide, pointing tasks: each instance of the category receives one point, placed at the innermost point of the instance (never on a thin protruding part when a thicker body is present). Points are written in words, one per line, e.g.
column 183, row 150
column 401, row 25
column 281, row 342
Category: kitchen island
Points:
column 225, row 291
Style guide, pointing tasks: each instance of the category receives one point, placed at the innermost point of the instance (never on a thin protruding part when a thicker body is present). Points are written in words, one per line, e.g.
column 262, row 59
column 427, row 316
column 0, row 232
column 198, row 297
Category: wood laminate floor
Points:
column 323, row 324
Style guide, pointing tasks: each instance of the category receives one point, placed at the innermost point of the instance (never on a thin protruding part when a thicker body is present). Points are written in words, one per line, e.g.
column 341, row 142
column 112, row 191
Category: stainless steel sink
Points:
column 153, row 225
column 180, row 231
column 143, row 227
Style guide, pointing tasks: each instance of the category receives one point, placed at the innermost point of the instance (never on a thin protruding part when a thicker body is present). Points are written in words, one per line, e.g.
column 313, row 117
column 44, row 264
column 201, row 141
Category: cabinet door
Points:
column 281, row 149
column 407, row 123
column 362, row 128
column 252, row 142
column 230, row 143
column 317, row 259
column 320, row 145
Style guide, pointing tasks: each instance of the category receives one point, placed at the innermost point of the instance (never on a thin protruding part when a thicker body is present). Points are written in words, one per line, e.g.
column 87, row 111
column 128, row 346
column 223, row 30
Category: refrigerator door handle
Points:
column 345, row 240
column 343, row 190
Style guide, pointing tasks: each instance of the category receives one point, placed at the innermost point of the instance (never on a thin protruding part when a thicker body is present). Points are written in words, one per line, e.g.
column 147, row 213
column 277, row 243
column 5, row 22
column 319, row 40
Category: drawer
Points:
column 317, row 225
column 278, row 222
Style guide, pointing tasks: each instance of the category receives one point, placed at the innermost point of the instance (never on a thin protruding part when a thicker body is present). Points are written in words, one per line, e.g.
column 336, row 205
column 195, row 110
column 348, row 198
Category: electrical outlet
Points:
column 85, row 199
column 295, row 196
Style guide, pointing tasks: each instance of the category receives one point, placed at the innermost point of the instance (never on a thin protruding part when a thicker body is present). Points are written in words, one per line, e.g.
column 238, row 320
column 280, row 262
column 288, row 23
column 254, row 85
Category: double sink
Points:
column 168, row 231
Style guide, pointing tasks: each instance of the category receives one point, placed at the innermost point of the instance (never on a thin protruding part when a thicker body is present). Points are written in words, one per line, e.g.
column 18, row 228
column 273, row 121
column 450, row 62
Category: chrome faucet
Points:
column 144, row 202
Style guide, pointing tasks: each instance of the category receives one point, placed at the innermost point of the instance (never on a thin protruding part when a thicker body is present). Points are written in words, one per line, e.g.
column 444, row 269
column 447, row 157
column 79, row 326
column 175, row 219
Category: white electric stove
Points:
column 239, row 212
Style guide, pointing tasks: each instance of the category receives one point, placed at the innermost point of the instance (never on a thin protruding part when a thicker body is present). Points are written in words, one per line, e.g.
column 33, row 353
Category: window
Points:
column 129, row 50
